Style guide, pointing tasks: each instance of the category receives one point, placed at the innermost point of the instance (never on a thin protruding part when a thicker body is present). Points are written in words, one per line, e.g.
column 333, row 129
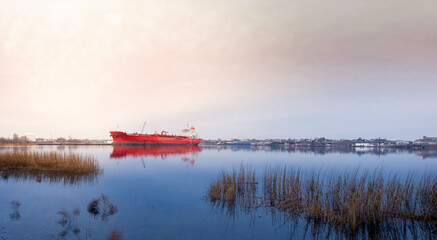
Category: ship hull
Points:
column 122, row 138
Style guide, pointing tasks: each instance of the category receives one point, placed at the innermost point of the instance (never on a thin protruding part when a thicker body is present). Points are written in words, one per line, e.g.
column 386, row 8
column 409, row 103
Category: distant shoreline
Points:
column 17, row 144
column 48, row 144
column 430, row 147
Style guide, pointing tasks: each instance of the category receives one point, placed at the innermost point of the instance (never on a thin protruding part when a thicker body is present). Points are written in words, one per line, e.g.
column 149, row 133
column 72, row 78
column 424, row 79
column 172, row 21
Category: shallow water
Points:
column 158, row 192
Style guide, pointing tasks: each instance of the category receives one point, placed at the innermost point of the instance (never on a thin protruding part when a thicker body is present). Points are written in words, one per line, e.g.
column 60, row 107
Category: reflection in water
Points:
column 100, row 207
column 424, row 153
column 115, row 235
column 15, row 215
column 167, row 191
column 68, row 222
column 187, row 153
column 300, row 228
column 50, row 176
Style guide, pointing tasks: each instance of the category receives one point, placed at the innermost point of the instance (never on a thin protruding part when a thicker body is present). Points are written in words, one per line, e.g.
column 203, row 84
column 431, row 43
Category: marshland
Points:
column 235, row 193
column 51, row 166
column 350, row 199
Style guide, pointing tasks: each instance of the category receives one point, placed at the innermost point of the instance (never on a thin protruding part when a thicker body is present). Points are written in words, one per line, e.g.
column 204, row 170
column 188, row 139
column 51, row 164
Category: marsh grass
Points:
column 101, row 207
column 234, row 188
column 55, row 167
column 348, row 199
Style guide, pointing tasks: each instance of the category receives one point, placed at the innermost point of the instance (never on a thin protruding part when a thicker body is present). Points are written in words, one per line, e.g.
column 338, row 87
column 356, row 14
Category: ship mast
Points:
column 142, row 130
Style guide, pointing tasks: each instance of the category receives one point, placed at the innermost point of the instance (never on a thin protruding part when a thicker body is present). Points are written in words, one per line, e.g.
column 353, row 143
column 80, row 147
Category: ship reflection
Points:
column 188, row 153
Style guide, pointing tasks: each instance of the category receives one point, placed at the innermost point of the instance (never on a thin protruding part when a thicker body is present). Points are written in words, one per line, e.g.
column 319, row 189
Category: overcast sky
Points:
column 246, row 69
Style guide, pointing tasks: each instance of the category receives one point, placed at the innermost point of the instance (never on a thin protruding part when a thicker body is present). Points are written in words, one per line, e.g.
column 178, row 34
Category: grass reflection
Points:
column 68, row 222
column 15, row 215
column 71, row 229
column 115, row 235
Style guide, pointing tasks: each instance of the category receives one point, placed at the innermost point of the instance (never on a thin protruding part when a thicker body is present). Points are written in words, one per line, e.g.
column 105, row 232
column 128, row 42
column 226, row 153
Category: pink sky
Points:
column 255, row 69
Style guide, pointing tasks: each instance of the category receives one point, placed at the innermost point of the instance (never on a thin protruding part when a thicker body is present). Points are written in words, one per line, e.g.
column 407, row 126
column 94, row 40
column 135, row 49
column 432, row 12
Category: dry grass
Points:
column 229, row 187
column 67, row 167
column 351, row 199
column 234, row 188
column 47, row 161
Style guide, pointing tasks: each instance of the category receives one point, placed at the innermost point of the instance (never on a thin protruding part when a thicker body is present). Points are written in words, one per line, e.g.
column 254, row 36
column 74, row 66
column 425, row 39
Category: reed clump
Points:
column 230, row 186
column 351, row 199
column 232, row 189
column 102, row 207
column 67, row 167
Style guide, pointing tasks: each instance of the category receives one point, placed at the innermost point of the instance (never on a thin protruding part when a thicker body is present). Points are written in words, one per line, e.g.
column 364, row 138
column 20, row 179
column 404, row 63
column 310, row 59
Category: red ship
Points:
column 187, row 137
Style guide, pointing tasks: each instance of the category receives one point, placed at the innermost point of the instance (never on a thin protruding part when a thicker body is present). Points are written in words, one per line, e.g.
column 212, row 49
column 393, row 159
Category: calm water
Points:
column 158, row 192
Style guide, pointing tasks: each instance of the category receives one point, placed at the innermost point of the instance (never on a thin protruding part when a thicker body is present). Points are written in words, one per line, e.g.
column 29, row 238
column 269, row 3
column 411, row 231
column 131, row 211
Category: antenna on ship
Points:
column 142, row 130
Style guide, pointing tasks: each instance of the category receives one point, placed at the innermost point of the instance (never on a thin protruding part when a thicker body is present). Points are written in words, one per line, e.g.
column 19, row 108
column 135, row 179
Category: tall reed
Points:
column 232, row 189
column 350, row 199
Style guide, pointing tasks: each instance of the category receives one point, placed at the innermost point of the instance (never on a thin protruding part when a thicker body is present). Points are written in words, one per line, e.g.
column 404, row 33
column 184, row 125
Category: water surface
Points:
column 159, row 192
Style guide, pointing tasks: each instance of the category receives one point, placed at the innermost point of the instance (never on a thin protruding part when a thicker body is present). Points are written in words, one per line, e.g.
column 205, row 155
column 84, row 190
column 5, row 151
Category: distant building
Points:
column 426, row 141
column 430, row 139
column 362, row 144
column 30, row 137
column 402, row 143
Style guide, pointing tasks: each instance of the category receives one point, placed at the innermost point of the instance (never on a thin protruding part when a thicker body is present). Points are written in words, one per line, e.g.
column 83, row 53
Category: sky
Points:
column 233, row 69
